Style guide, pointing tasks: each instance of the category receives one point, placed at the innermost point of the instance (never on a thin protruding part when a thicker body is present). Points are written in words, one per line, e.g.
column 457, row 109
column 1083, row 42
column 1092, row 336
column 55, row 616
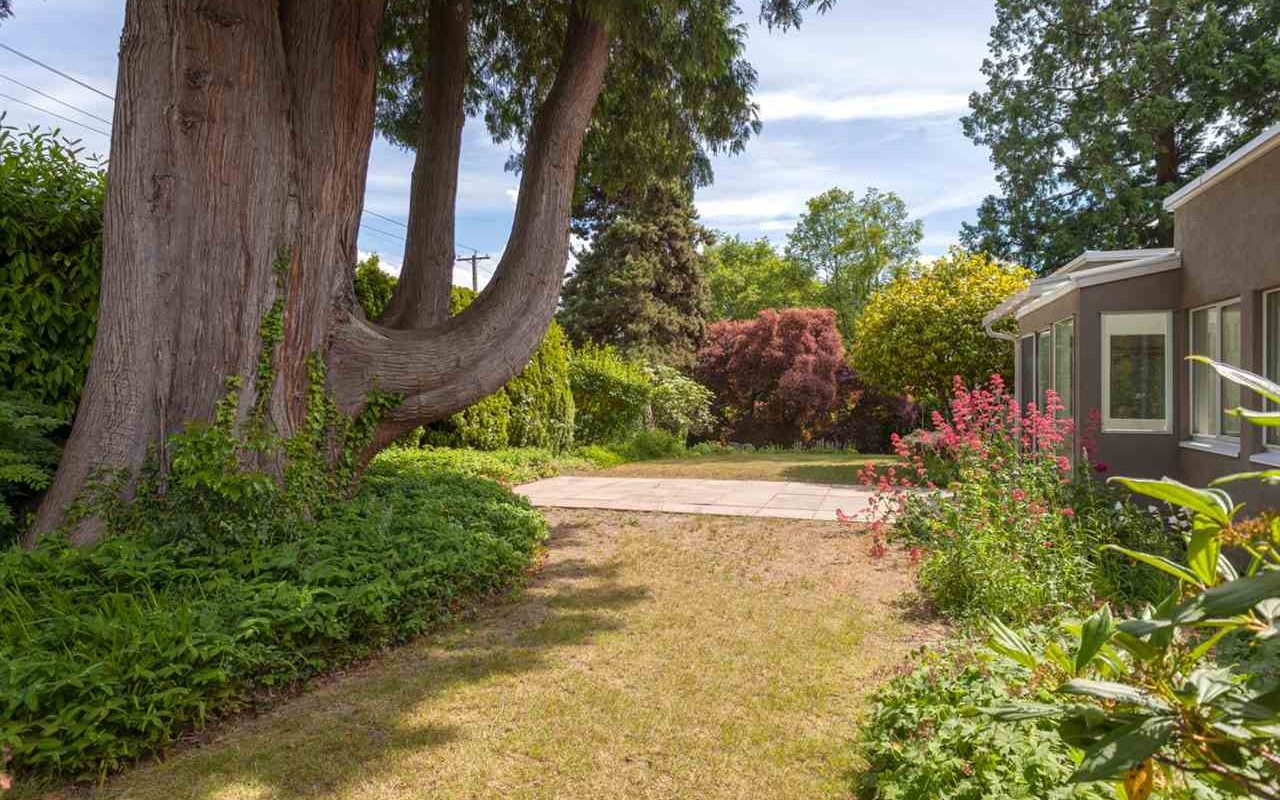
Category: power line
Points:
column 54, row 114
column 401, row 224
column 57, row 71
column 56, row 100
column 379, row 230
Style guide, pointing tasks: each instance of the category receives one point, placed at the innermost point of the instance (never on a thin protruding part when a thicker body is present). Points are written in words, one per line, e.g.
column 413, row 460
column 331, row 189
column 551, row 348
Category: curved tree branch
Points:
column 448, row 366
column 421, row 296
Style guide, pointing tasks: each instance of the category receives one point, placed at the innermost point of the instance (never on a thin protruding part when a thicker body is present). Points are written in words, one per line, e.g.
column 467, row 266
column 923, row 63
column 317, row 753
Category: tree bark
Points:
column 421, row 296
column 241, row 140
column 450, row 365
column 241, row 135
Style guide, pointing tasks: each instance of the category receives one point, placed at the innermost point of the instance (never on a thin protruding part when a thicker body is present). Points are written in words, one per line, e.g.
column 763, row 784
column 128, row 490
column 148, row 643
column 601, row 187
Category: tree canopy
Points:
column 925, row 327
column 851, row 243
column 746, row 277
column 1095, row 112
column 638, row 286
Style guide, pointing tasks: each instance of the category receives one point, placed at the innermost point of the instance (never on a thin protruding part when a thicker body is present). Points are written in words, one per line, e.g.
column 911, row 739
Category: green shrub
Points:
column 107, row 653
column 50, row 263
column 534, row 409
column 927, row 737
column 679, row 404
column 650, row 444
column 611, row 395
column 28, row 457
column 510, row 466
column 373, row 287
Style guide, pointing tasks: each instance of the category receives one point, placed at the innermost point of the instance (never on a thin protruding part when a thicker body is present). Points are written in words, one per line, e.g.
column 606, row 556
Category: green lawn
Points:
column 780, row 465
column 652, row 656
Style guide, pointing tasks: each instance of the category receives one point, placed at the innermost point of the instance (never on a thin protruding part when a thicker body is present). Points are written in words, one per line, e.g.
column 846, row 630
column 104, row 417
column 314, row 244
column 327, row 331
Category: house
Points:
column 1110, row 332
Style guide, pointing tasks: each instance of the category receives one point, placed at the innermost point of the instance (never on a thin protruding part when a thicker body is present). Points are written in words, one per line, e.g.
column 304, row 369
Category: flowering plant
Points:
column 1017, row 530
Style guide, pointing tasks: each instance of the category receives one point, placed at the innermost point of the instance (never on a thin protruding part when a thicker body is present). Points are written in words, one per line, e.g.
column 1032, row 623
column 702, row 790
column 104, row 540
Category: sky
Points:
column 868, row 95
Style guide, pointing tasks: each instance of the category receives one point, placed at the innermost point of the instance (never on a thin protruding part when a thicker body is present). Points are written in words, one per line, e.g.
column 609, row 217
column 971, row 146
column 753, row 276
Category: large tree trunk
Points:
column 241, row 139
column 421, row 297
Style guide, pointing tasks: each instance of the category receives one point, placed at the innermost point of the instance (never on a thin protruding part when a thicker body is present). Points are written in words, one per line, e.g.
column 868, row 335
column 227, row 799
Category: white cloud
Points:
column 962, row 198
column 761, row 206
column 886, row 105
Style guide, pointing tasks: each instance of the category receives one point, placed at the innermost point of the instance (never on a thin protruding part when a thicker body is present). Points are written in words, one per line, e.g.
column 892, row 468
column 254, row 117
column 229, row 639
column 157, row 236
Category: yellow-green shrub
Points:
column 925, row 327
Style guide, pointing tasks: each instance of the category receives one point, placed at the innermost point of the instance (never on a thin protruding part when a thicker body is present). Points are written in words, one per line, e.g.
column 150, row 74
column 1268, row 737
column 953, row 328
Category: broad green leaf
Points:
column 1265, row 475
column 1015, row 712
column 1094, row 633
column 1159, row 562
column 1119, row 692
column 1125, row 748
column 1210, row 503
column 1230, row 599
column 1263, row 419
column 1249, row 380
column 1202, row 553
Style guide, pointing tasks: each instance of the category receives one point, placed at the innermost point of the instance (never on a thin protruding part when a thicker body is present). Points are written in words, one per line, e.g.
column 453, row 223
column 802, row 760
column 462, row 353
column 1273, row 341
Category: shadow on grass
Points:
column 366, row 724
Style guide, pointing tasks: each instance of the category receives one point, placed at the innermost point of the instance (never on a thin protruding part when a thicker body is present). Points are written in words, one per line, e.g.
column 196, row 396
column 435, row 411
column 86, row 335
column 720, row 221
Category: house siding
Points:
column 1229, row 237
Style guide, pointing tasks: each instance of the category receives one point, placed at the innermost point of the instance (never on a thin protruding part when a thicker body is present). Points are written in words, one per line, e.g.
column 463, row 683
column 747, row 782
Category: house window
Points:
column 1064, row 343
column 1026, row 369
column 1271, row 353
column 1136, row 374
column 1044, row 365
column 1215, row 333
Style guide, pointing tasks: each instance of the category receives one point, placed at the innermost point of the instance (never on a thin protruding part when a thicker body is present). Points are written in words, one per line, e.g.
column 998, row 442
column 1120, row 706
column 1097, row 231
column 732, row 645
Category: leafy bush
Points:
column 776, row 377
column 1018, row 536
column 107, row 653
column 373, row 286
column 868, row 418
column 611, row 395
column 534, row 409
column 1143, row 696
column 28, row 457
column 927, row 737
column 678, row 404
column 50, row 263
column 923, row 328
column 651, row 444
column 509, row 467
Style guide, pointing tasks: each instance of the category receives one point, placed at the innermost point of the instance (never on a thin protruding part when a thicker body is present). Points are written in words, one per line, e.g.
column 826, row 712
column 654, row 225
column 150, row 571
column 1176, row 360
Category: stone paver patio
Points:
column 789, row 499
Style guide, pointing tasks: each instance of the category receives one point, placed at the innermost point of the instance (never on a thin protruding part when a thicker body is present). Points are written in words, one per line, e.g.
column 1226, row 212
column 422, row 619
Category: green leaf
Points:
column 1249, row 380
column 1005, row 641
column 1159, row 562
column 1210, row 503
column 1094, row 633
column 1118, row 692
column 1202, row 552
column 1016, row 712
column 1265, row 475
column 1125, row 748
column 1230, row 599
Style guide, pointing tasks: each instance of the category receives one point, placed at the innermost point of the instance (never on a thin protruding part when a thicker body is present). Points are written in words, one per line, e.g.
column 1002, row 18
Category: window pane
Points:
column 1229, row 352
column 1027, row 369
column 1044, row 365
column 1063, row 362
column 1271, row 332
column 1136, row 347
column 1204, row 412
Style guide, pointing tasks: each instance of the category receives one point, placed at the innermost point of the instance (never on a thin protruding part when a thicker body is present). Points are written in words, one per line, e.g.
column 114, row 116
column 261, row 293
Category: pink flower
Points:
column 1068, row 512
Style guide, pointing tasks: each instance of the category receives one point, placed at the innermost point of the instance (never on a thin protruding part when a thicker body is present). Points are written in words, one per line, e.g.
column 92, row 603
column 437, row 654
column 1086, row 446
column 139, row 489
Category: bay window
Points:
column 1137, row 369
column 1271, row 354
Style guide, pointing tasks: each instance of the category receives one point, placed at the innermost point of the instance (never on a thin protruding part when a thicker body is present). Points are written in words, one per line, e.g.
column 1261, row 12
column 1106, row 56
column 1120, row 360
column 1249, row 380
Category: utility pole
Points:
column 474, row 258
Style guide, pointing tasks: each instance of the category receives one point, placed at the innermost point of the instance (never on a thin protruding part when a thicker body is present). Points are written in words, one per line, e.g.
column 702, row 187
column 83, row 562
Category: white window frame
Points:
column 1112, row 425
column 1218, row 435
column 1053, row 342
column 1052, row 330
column 1266, row 338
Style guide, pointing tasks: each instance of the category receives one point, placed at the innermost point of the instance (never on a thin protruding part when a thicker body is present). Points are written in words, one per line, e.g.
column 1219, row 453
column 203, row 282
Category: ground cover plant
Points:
column 612, row 674
column 108, row 652
column 1019, row 531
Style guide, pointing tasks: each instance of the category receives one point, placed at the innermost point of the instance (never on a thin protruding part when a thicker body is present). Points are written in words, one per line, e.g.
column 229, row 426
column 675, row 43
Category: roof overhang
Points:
column 1072, row 276
column 1257, row 147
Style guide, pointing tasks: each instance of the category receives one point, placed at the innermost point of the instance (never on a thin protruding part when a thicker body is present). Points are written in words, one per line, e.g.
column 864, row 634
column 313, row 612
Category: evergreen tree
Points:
column 1096, row 110
column 639, row 285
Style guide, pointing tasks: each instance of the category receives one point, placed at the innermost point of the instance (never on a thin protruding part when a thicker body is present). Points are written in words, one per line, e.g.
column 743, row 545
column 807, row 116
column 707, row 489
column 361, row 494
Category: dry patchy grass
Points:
column 652, row 656
column 818, row 467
